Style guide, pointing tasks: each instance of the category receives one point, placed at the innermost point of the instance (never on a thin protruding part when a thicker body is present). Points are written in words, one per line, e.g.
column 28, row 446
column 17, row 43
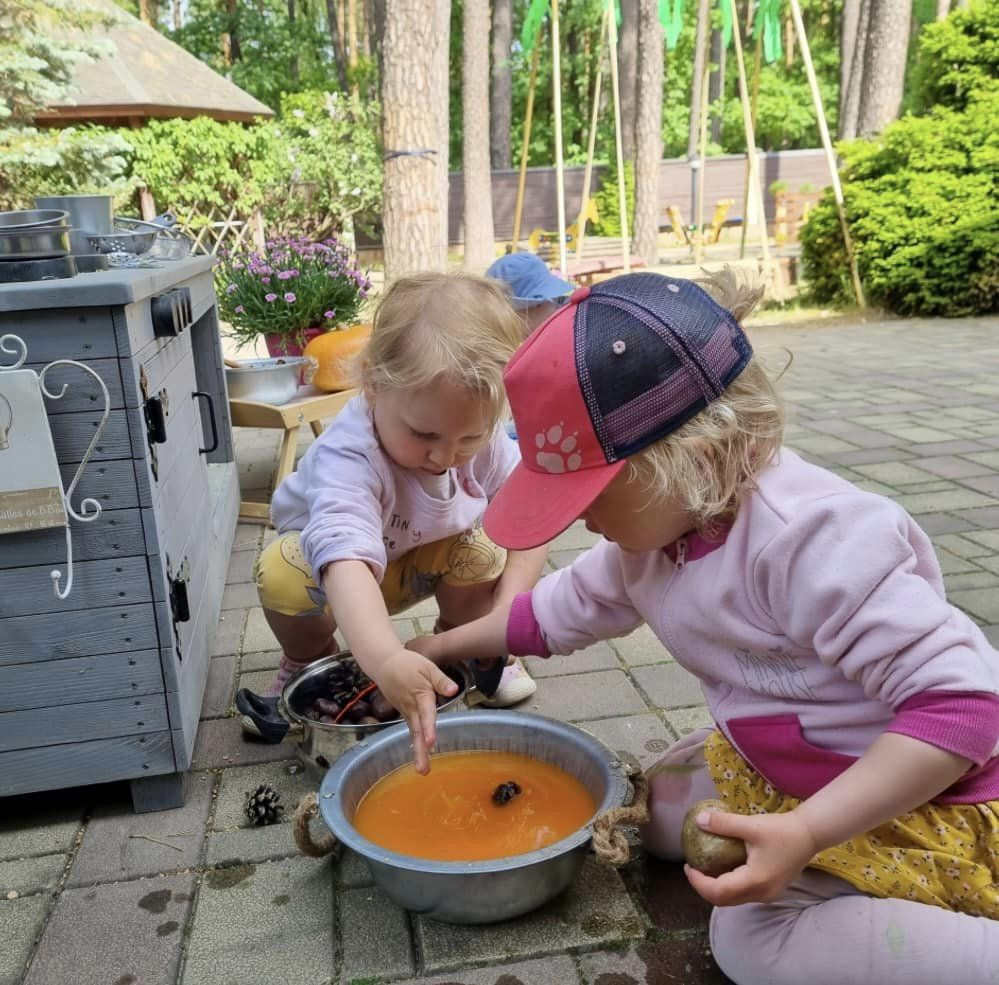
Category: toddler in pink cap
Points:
column 856, row 711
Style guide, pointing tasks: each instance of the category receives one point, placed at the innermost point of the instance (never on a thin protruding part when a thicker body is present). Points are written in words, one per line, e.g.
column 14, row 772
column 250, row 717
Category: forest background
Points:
column 317, row 166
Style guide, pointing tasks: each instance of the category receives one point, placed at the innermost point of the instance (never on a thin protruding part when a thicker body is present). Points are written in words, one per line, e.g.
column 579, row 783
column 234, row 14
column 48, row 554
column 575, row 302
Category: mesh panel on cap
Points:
column 651, row 352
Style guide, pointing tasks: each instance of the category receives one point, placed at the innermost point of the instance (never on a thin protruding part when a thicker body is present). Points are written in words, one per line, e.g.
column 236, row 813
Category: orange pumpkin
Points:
column 331, row 353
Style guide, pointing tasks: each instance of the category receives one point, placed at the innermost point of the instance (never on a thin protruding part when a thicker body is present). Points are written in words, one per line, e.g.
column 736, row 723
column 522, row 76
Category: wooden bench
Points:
column 309, row 406
column 589, row 271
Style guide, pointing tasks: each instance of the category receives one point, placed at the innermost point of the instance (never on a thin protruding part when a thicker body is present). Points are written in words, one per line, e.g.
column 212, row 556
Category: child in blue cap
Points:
column 536, row 293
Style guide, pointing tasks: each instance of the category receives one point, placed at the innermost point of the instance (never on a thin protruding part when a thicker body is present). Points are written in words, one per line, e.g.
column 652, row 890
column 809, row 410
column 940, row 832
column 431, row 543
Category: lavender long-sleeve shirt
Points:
column 817, row 623
column 352, row 502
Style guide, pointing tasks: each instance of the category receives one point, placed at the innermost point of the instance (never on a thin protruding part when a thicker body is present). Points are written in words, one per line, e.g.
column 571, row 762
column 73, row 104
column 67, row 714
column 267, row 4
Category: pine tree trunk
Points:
column 627, row 71
column 293, row 61
column 851, row 108
column 884, row 64
column 502, row 78
column 442, row 102
column 693, row 133
column 943, row 9
column 336, row 42
column 148, row 12
column 849, row 25
column 177, row 12
column 378, row 34
column 352, row 44
column 411, row 199
column 716, row 84
column 480, row 245
column 648, row 131
column 230, row 41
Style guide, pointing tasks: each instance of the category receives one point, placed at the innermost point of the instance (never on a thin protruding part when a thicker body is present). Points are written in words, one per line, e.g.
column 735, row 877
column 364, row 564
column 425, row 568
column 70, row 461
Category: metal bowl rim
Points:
column 48, row 218
column 337, row 821
column 268, row 365
column 319, row 666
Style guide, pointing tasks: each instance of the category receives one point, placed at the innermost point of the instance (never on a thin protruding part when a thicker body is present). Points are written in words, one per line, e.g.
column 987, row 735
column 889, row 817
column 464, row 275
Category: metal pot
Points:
column 266, row 381
column 34, row 234
column 88, row 214
column 494, row 889
column 39, row 243
column 319, row 745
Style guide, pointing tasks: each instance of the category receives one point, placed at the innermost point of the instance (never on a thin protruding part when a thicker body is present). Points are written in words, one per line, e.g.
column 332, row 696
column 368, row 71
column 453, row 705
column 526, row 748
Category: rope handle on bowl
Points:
column 609, row 842
column 308, row 808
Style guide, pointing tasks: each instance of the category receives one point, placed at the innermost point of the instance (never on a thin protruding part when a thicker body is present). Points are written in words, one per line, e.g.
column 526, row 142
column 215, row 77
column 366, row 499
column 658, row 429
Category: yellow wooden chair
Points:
column 722, row 208
column 544, row 242
column 676, row 224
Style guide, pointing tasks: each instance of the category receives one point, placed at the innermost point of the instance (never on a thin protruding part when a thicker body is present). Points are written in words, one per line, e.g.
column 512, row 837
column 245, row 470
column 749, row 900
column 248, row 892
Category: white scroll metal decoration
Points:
column 32, row 496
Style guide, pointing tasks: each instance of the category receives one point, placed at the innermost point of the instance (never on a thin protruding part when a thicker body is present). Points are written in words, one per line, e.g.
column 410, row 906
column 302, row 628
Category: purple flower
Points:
column 265, row 280
column 239, row 309
column 287, row 274
column 290, row 298
column 231, row 289
column 270, row 297
column 329, row 314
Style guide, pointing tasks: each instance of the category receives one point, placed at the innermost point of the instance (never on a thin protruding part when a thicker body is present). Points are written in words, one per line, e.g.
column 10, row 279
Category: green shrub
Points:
column 608, row 206
column 200, row 162
column 326, row 154
column 923, row 206
column 958, row 56
column 73, row 160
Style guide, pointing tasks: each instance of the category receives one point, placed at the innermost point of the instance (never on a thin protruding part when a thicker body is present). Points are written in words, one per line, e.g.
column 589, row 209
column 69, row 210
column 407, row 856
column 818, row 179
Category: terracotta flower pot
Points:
column 333, row 353
column 288, row 345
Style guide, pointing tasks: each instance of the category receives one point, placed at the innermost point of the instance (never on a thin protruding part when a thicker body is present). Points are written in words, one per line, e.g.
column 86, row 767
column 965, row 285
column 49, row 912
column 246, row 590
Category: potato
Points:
column 710, row 853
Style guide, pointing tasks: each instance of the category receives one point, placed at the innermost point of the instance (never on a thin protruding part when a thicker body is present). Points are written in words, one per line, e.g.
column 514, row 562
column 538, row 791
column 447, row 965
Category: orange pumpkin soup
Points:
column 473, row 806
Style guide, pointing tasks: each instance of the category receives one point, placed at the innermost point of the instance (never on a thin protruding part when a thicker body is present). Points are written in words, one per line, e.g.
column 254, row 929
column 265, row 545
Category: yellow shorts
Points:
column 286, row 585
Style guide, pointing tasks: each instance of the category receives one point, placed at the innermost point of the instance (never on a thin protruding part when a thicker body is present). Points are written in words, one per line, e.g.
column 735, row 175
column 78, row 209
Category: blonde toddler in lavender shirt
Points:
column 385, row 508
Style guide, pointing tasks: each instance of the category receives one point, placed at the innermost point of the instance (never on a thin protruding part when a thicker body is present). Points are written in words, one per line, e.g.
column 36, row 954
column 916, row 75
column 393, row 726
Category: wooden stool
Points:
column 308, row 406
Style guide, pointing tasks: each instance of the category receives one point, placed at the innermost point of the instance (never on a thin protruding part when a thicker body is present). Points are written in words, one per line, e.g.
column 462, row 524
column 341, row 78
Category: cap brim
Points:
column 532, row 508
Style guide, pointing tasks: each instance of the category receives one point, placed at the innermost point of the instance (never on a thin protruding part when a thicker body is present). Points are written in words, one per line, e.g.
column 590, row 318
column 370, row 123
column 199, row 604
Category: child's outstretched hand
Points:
column 778, row 847
column 411, row 684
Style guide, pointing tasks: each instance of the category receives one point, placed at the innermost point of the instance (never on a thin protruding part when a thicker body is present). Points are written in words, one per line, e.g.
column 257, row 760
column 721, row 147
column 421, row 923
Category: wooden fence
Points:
column 212, row 228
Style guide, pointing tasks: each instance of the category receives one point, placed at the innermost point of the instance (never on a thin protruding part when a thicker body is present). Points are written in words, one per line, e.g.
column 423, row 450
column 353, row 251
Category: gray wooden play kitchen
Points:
column 107, row 683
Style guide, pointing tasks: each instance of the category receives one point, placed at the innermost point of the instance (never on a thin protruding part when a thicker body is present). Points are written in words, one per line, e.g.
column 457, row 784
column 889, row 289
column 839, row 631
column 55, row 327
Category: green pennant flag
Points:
column 532, row 23
column 671, row 20
column 767, row 26
column 726, row 15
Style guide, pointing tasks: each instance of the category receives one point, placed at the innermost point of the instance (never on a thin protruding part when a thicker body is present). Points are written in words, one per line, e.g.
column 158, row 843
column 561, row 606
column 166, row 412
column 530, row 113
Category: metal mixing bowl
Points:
column 267, row 381
column 321, row 744
column 494, row 889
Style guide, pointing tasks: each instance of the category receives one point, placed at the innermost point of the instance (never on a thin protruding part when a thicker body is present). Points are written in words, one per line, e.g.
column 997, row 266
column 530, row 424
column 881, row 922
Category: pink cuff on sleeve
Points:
column 523, row 634
column 965, row 723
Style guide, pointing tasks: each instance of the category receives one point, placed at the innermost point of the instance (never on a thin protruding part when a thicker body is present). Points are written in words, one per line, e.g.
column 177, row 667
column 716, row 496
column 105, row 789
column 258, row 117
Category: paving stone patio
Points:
column 92, row 894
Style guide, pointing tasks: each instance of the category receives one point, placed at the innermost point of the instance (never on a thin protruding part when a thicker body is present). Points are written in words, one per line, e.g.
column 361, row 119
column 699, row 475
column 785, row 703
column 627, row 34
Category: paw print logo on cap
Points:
column 557, row 452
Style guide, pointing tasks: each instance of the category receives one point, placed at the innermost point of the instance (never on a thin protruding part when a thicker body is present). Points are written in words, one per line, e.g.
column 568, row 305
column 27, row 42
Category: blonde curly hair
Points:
column 441, row 326
column 711, row 462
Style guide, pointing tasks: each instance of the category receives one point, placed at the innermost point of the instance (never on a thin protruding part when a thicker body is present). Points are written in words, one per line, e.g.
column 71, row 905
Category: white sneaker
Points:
column 515, row 685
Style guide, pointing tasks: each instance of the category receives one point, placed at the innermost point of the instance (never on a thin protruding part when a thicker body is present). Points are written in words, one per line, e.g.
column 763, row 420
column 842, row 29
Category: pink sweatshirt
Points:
column 816, row 624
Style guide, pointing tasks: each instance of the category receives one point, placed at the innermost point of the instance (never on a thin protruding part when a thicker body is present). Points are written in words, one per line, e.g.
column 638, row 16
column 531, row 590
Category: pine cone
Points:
column 262, row 806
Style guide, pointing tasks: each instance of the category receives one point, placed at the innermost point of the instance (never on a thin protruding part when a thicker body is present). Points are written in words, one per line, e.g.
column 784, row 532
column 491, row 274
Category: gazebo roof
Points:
column 149, row 76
